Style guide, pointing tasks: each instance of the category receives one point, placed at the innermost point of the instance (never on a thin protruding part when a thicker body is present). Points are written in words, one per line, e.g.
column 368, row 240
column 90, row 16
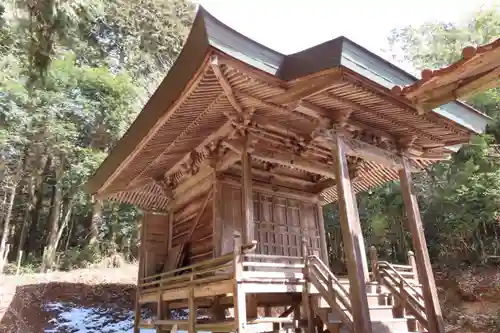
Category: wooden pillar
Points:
column 306, row 301
column 426, row 277
column 239, row 296
column 140, row 275
column 413, row 264
column 247, row 196
column 170, row 229
column 353, row 241
column 322, row 234
column 374, row 263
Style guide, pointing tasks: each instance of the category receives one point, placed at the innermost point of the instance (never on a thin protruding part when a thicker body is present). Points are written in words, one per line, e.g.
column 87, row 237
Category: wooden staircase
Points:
column 394, row 299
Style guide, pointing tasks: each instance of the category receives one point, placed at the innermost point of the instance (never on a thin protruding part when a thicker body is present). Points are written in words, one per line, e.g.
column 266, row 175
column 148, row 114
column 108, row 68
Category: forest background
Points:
column 74, row 75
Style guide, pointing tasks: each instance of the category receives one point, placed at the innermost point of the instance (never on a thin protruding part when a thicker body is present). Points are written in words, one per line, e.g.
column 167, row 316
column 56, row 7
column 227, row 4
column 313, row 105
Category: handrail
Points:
column 320, row 275
column 388, row 266
column 413, row 300
column 215, row 262
column 330, row 274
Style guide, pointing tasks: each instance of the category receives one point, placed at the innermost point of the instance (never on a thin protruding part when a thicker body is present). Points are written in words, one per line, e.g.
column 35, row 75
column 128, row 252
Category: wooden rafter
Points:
column 226, row 86
column 306, row 87
column 357, row 106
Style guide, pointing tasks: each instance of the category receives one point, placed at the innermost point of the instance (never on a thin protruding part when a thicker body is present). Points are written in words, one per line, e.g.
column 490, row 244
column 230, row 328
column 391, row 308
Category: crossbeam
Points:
column 285, row 159
column 367, row 151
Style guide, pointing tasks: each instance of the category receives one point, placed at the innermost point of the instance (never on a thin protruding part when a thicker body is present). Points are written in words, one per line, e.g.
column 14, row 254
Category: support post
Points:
column 159, row 312
column 353, row 241
column 423, row 262
column 322, row 234
column 240, row 310
column 306, row 301
column 413, row 264
column 374, row 262
column 247, row 196
column 140, row 275
column 192, row 315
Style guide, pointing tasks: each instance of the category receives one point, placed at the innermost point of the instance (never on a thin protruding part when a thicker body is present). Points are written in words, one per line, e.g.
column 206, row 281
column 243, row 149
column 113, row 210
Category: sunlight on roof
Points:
column 289, row 26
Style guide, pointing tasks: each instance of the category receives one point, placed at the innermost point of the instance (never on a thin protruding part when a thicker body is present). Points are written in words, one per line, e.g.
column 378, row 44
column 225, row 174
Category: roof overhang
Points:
column 478, row 70
column 208, row 36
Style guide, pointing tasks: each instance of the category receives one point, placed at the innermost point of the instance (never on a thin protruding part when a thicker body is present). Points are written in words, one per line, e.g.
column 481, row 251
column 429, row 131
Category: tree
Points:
column 73, row 76
column 460, row 198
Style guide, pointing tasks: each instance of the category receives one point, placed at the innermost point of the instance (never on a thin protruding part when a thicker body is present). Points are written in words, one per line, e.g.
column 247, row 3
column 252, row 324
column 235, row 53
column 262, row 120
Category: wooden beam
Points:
column 353, row 241
column 366, row 151
column 412, row 129
column 286, row 159
column 247, row 194
column 270, row 175
column 226, row 86
column 426, row 277
column 307, row 86
column 267, row 188
column 219, row 133
column 437, row 97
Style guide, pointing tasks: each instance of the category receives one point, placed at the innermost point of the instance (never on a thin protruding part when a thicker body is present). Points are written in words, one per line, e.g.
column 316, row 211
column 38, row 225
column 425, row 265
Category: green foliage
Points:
column 73, row 76
column 459, row 199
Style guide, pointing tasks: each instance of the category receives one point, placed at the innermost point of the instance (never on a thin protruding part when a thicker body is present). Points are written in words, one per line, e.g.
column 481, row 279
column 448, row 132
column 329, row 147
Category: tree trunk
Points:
column 95, row 222
column 70, row 233
column 26, row 220
column 65, row 222
column 6, row 228
column 4, row 249
column 51, row 247
column 31, row 246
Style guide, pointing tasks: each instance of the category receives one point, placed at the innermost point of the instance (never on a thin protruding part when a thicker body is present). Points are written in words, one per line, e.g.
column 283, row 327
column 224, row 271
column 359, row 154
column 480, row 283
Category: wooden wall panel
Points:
column 200, row 246
column 280, row 222
column 230, row 215
column 155, row 241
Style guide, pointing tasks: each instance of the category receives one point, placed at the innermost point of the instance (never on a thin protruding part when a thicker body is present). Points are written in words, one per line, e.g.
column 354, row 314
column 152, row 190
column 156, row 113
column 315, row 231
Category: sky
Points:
column 293, row 25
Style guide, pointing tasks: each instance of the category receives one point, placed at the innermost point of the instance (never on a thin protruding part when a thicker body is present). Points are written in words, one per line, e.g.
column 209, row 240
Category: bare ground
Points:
column 23, row 299
column 470, row 297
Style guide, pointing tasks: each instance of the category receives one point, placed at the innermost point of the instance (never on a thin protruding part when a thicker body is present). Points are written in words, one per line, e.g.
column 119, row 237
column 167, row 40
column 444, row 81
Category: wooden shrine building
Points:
column 231, row 161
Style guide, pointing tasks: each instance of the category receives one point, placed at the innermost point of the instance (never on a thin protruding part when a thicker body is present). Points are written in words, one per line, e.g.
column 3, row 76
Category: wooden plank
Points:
column 353, row 241
column 207, row 290
column 426, row 277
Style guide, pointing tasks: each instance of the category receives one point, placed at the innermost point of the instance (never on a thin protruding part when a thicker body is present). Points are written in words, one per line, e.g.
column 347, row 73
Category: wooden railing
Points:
column 408, row 295
column 207, row 271
column 330, row 288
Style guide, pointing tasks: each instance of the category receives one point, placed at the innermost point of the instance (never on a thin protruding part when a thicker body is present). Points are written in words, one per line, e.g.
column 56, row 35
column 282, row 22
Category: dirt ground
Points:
column 470, row 297
column 23, row 299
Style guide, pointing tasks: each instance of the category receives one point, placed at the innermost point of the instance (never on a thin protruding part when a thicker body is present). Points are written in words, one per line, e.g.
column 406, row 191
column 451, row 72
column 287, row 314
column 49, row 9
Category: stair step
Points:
column 373, row 300
column 381, row 326
column 380, row 312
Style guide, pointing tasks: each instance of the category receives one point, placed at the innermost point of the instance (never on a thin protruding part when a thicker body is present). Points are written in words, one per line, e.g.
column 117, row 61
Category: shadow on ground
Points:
column 34, row 308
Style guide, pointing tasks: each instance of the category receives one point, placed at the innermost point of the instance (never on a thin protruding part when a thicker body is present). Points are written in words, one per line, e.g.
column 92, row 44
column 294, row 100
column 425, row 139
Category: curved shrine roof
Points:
column 222, row 80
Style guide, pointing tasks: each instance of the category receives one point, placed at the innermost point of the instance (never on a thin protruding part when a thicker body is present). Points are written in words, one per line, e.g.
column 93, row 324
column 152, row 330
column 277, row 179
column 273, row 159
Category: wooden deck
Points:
column 249, row 285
